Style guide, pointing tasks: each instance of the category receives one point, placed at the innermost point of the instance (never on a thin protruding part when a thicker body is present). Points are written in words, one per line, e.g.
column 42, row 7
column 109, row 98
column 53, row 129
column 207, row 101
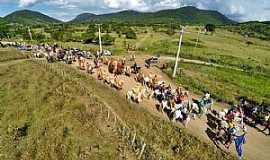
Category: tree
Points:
column 3, row 30
column 57, row 35
column 39, row 37
column 92, row 28
column 106, row 28
column 107, row 39
column 90, row 35
column 130, row 34
column 210, row 27
column 171, row 29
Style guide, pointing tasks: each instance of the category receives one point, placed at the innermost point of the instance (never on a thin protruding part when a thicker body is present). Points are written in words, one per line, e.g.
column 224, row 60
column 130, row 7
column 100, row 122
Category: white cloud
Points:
column 59, row 3
column 27, row 3
column 127, row 4
column 239, row 10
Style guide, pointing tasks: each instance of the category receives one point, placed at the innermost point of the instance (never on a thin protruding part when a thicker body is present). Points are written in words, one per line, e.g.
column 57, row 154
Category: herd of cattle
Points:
column 175, row 102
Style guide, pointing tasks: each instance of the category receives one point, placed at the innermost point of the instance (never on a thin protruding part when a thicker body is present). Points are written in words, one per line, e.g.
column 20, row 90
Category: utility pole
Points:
column 178, row 52
column 30, row 34
column 197, row 41
column 99, row 37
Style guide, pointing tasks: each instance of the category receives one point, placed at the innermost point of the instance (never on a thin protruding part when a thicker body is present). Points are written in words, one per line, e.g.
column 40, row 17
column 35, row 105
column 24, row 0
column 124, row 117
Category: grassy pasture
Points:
column 222, row 47
column 64, row 122
column 225, row 84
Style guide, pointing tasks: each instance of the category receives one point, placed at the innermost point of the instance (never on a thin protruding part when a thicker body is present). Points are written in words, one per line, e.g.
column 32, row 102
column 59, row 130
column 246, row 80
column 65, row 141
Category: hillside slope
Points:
column 29, row 17
column 189, row 15
column 60, row 120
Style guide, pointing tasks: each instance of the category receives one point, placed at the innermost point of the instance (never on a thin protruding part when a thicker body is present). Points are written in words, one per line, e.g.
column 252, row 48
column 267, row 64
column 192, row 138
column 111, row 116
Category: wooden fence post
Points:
column 133, row 139
column 143, row 147
column 108, row 116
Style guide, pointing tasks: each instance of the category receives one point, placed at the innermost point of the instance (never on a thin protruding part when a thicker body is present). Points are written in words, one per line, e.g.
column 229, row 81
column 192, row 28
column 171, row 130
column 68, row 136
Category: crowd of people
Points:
column 175, row 102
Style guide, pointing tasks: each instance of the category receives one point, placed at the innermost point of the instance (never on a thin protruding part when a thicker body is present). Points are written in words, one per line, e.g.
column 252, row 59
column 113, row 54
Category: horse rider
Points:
column 205, row 103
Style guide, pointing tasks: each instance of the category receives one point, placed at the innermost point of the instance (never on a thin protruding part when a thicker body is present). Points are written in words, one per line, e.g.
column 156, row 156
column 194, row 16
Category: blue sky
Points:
column 240, row 10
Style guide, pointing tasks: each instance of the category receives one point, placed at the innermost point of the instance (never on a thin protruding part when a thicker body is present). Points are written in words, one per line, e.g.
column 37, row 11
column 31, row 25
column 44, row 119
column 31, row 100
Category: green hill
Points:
column 30, row 18
column 2, row 20
column 188, row 15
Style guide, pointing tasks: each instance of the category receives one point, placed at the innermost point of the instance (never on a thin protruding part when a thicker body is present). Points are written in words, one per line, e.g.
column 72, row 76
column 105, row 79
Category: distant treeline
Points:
column 259, row 30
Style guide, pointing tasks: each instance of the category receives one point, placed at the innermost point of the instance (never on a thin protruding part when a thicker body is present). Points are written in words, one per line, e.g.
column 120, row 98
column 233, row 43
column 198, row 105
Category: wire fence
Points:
column 136, row 142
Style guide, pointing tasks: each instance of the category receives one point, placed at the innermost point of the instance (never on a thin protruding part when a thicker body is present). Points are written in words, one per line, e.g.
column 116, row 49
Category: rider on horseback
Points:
column 205, row 103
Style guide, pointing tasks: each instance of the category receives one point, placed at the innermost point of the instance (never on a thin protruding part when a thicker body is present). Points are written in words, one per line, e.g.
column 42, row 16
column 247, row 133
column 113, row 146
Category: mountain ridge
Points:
column 187, row 14
column 30, row 17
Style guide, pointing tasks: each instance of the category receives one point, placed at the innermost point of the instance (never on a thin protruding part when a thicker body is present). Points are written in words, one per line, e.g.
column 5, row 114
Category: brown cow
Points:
column 117, row 83
column 100, row 74
column 116, row 67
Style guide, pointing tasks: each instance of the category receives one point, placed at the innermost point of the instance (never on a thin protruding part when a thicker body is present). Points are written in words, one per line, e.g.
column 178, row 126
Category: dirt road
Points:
column 167, row 58
column 257, row 145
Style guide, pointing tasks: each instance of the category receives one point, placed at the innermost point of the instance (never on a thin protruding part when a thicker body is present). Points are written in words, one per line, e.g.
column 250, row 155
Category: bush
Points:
column 3, row 30
column 89, row 37
column 210, row 28
column 39, row 37
column 131, row 34
column 107, row 39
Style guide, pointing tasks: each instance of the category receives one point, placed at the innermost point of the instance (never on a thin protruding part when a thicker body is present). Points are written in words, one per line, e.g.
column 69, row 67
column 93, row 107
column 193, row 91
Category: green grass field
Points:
column 226, row 85
column 61, row 119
